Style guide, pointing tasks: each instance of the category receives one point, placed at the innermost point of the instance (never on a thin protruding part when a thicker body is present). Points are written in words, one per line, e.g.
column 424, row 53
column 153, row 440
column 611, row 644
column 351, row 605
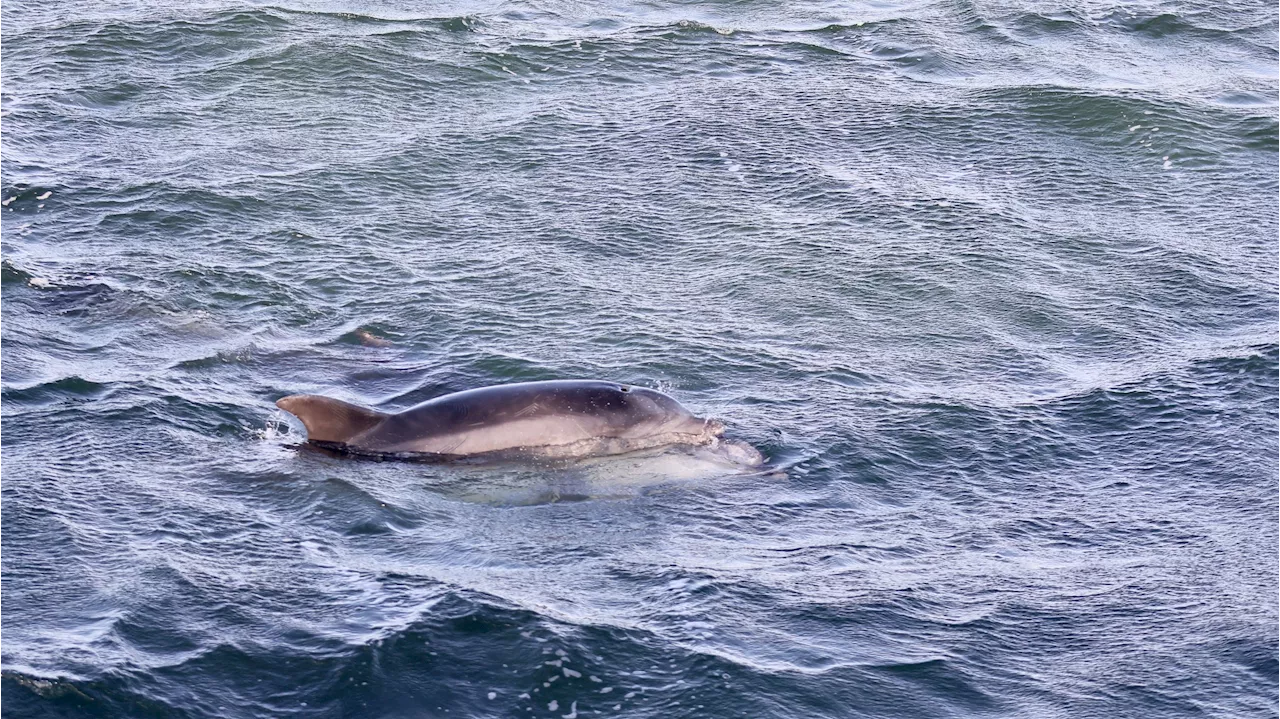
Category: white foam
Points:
column 275, row 428
column 554, row 705
column 571, row 673
column 45, row 196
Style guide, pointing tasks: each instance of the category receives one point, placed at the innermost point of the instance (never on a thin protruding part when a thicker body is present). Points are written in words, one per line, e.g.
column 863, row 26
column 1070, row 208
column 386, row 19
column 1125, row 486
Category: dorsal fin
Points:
column 330, row 420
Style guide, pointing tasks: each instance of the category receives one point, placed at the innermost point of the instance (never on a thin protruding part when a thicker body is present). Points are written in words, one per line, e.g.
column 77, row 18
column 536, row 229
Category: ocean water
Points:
column 994, row 285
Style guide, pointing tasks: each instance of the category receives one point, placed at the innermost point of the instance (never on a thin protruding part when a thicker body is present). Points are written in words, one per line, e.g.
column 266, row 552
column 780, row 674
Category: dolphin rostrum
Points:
column 559, row 419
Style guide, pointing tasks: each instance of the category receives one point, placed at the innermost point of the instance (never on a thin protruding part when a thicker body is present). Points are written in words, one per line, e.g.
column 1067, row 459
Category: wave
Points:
column 471, row 655
column 56, row 390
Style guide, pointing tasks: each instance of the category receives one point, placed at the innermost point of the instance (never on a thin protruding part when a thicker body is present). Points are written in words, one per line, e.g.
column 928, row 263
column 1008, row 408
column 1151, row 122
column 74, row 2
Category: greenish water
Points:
column 994, row 284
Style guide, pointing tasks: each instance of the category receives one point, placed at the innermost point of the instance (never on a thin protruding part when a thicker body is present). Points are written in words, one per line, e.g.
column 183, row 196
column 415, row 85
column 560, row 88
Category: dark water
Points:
column 995, row 283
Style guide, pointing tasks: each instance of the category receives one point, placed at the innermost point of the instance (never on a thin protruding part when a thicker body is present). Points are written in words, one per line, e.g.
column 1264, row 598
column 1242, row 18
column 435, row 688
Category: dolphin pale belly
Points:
column 561, row 419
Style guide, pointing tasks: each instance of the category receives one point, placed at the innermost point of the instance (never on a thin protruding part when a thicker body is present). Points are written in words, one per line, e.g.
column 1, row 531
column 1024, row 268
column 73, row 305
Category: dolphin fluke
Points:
column 330, row 420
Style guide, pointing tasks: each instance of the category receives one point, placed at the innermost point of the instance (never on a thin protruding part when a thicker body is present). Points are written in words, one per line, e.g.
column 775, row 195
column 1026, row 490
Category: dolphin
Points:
column 558, row 419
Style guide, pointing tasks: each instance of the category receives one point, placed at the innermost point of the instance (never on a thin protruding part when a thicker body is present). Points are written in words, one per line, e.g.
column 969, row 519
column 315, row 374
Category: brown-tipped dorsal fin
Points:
column 330, row 420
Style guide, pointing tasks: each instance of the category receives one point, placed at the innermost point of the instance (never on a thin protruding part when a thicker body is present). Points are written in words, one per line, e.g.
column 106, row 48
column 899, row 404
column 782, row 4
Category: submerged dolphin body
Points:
column 561, row 419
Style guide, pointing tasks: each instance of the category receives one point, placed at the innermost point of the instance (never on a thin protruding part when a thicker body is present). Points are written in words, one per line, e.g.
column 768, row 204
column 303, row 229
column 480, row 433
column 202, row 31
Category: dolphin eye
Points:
column 624, row 388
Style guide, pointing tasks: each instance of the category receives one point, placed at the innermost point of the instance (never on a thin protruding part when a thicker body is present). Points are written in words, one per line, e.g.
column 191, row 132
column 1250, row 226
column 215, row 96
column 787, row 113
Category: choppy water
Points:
column 996, row 282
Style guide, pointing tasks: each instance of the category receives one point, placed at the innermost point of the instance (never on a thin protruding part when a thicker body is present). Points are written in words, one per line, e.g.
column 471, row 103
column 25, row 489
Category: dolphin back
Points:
column 330, row 420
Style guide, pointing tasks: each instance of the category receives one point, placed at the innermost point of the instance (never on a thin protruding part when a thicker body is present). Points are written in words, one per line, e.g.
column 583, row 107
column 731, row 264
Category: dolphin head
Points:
column 656, row 413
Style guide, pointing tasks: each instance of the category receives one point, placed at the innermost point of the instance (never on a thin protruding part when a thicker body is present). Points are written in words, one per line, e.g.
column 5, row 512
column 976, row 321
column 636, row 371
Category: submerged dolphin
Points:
column 560, row 419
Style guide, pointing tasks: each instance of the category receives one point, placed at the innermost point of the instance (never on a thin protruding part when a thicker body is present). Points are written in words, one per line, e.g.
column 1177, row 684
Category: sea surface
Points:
column 993, row 284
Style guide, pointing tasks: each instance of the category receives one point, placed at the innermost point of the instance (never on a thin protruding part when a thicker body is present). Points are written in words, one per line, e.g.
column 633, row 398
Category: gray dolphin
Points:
column 560, row 419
